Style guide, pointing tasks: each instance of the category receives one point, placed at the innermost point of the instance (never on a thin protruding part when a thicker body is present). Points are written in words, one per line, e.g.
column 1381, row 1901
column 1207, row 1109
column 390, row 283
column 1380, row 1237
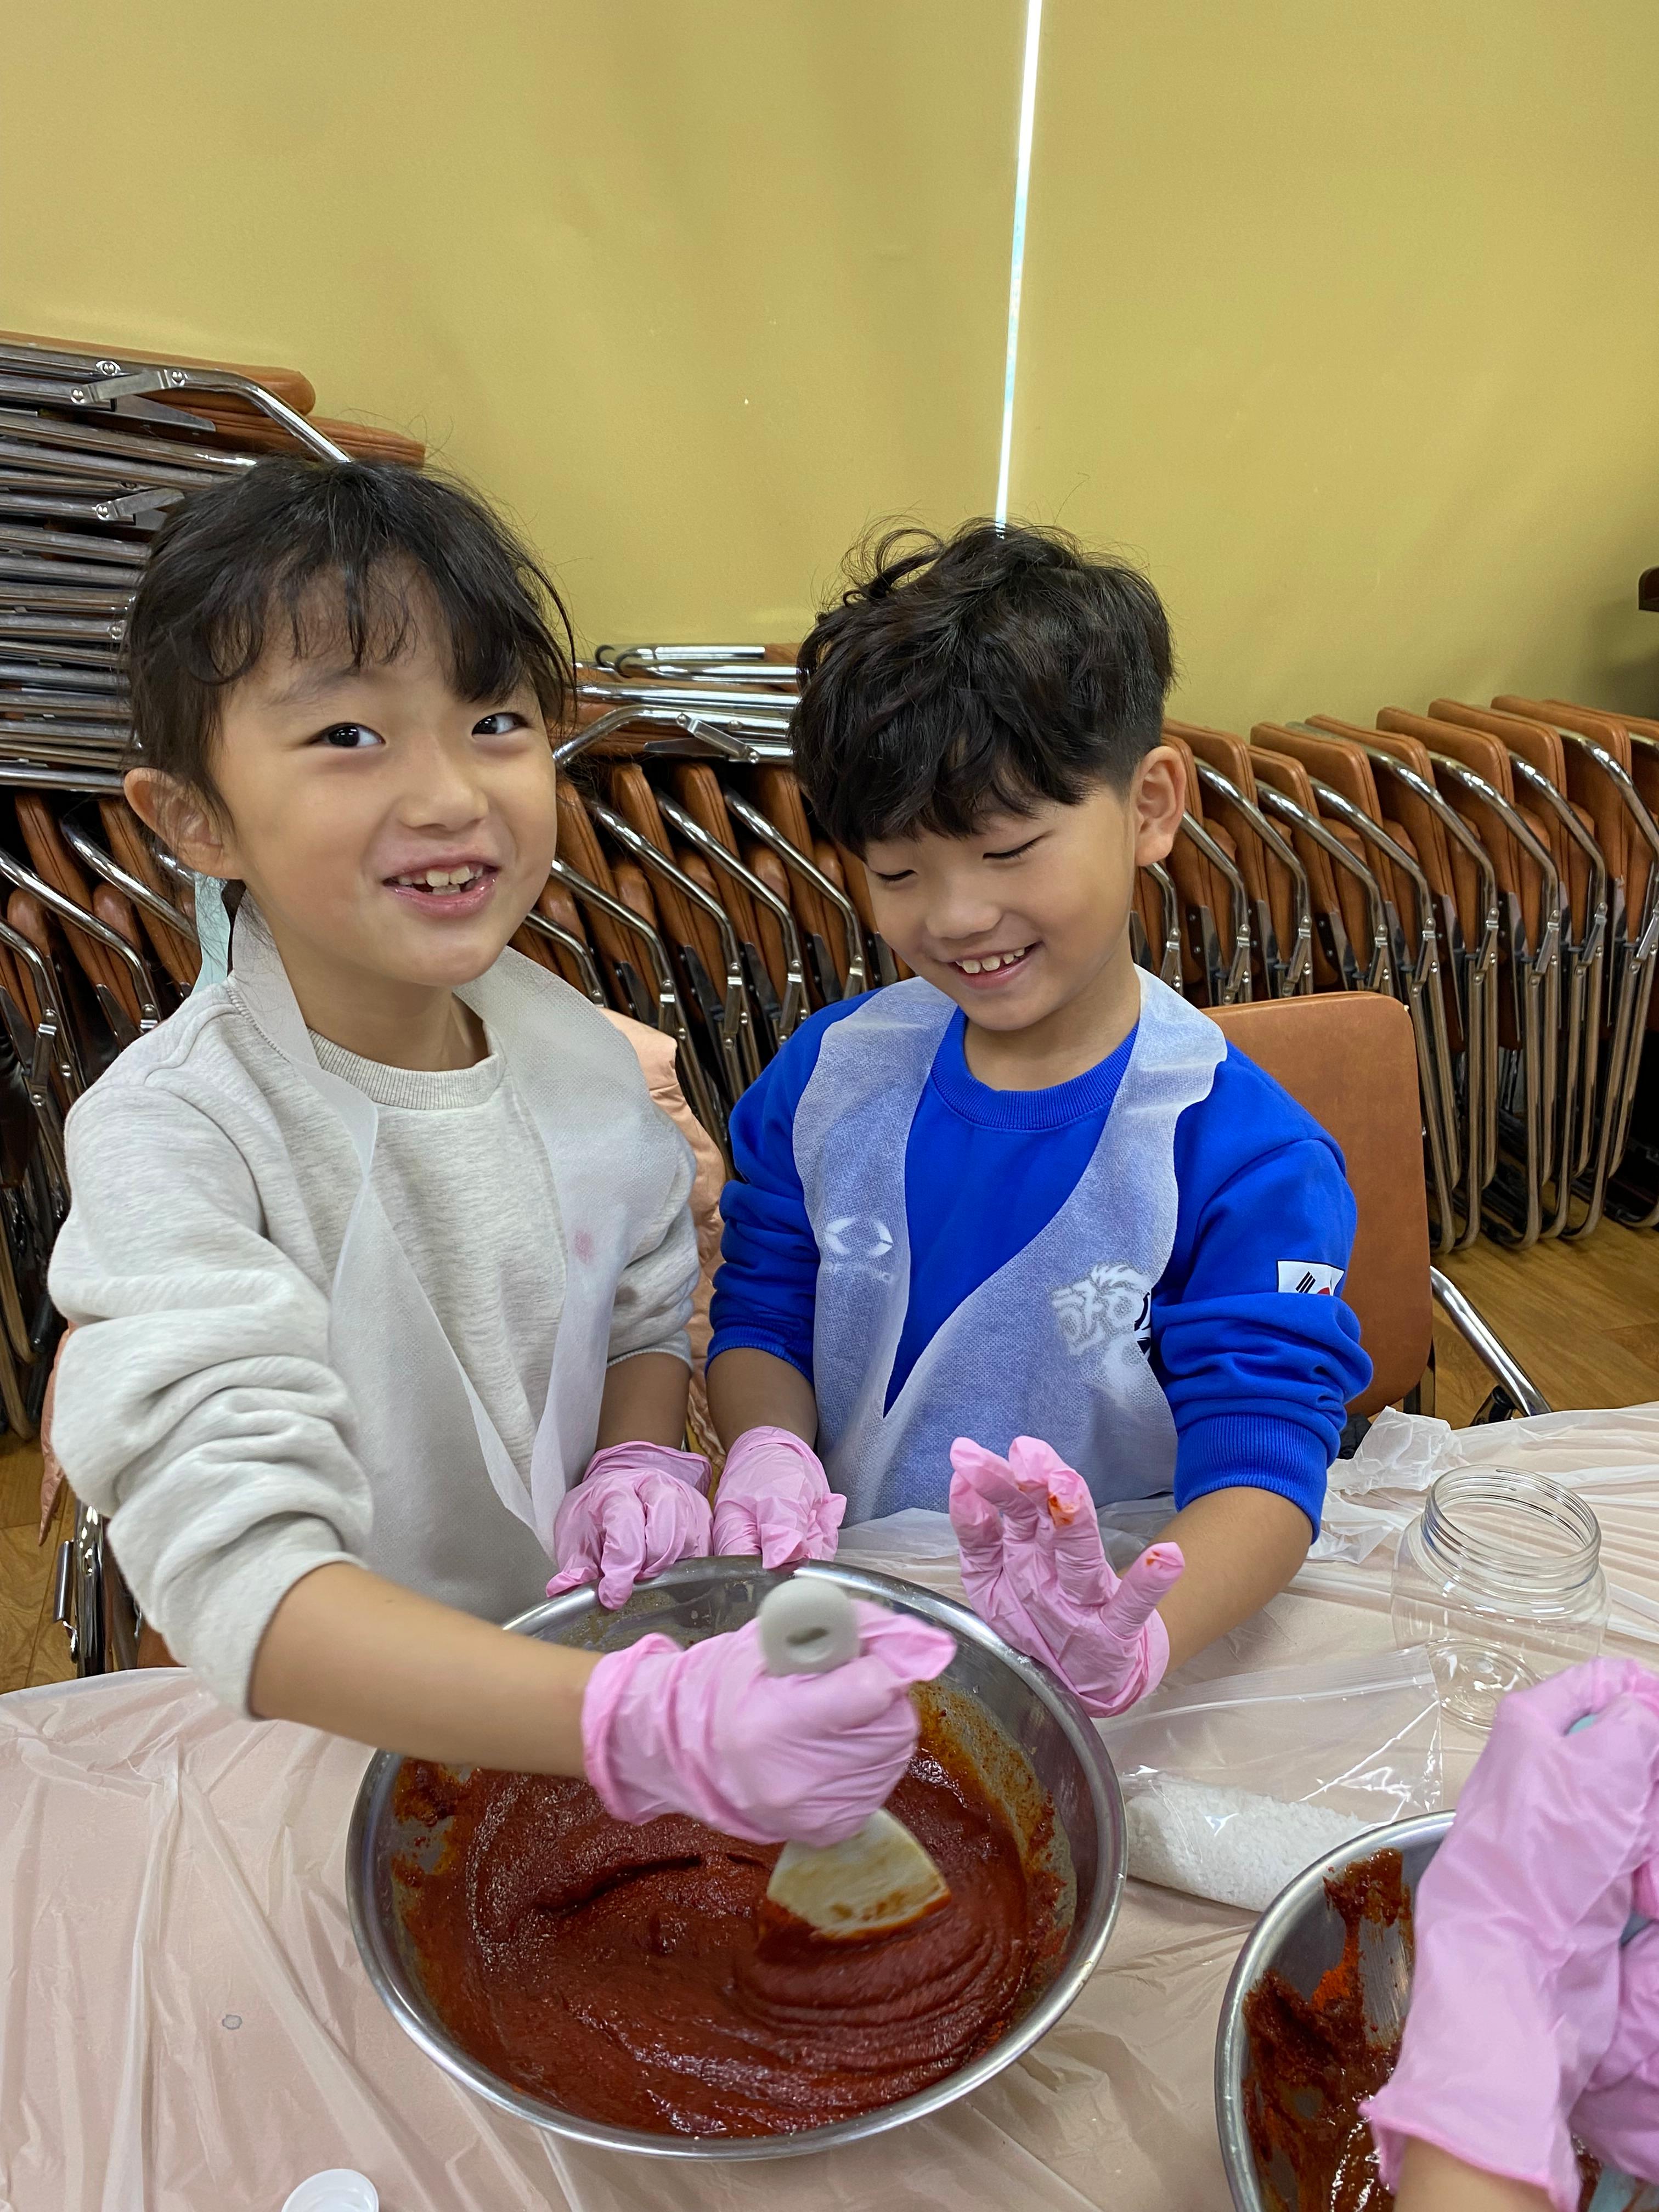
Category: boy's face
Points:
column 347, row 791
column 1028, row 916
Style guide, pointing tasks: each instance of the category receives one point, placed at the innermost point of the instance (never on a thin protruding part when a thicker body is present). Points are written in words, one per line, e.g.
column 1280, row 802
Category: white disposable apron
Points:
column 1054, row 1343
column 381, row 1322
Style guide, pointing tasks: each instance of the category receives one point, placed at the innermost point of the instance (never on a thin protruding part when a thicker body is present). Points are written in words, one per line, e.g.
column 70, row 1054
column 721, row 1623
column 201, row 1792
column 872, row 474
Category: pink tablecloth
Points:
column 187, row 2027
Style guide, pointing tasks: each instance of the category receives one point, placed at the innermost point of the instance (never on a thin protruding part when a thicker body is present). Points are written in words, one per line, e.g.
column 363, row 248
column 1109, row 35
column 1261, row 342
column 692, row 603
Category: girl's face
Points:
column 388, row 830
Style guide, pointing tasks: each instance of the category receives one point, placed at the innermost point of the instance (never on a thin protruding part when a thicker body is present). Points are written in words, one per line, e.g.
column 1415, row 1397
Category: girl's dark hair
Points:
column 980, row 674
column 330, row 551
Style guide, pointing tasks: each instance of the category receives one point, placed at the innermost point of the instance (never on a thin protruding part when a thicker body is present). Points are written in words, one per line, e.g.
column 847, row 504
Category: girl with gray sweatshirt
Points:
column 379, row 1248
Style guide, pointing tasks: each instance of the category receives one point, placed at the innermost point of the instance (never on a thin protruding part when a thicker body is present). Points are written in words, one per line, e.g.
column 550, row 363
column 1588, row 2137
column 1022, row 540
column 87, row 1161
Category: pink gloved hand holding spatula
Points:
column 1034, row 1567
column 802, row 1756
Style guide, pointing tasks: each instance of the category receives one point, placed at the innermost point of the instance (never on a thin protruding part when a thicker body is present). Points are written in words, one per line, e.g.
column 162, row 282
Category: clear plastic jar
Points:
column 1501, row 1577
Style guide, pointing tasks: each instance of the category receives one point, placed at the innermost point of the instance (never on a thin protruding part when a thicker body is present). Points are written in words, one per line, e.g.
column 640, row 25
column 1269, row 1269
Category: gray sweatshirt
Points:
column 196, row 1402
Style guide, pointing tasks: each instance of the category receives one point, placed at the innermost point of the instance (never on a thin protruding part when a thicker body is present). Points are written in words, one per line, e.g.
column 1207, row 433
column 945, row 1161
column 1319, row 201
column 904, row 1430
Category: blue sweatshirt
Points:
column 1257, row 1370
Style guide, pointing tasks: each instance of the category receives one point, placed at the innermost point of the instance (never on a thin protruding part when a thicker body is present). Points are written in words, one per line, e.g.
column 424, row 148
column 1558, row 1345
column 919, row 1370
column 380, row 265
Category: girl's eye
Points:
column 904, row 876
column 501, row 724
column 347, row 737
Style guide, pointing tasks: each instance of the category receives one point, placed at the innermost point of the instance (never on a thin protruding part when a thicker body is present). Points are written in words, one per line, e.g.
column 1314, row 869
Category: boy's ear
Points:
column 182, row 819
column 1158, row 798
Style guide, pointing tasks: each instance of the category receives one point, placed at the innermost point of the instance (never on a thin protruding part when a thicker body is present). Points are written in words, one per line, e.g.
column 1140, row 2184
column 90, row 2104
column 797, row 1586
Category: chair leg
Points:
column 1419, row 1399
column 91, row 1600
column 1514, row 1384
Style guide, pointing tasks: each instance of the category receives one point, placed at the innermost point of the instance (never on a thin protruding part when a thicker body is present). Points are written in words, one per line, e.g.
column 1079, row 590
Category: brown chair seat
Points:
column 1350, row 1059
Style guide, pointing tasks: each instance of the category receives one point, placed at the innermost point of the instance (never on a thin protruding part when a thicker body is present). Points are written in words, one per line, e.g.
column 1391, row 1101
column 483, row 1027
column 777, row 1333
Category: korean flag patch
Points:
column 1311, row 1276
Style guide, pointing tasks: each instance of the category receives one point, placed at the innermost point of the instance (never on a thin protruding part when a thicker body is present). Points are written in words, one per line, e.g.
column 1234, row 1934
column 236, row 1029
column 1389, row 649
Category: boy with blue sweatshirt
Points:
column 1030, row 1193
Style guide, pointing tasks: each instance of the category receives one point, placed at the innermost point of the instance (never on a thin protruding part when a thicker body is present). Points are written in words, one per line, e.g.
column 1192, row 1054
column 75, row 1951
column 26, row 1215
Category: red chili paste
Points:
column 633, row 1975
column 1314, row 2058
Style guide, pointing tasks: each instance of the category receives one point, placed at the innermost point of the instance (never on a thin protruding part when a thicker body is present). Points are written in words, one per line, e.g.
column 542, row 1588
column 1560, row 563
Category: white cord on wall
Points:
column 1022, row 188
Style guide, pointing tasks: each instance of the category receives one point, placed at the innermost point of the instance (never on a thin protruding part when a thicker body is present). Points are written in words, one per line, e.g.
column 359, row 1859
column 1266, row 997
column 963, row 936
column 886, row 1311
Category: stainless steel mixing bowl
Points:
column 1301, row 1935
column 1031, row 1743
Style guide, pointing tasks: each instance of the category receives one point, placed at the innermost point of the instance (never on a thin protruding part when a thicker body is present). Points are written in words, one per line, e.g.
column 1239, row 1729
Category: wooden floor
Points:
column 33, row 1648
column 1583, row 1319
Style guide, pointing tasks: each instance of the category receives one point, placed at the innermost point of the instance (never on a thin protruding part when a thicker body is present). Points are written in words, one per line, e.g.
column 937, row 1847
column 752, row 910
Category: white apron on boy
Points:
column 381, row 1320
column 1056, row 1343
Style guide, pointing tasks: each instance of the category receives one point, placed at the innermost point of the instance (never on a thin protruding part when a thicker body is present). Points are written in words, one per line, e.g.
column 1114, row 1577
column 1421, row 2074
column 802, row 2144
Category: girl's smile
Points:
column 392, row 834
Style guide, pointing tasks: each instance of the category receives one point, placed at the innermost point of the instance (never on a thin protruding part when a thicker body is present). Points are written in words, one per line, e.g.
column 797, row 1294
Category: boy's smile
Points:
column 993, row 971
column 1024, row 923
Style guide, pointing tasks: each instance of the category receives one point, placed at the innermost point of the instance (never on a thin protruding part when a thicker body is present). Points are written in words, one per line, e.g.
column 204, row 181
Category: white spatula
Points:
column 880, row 1878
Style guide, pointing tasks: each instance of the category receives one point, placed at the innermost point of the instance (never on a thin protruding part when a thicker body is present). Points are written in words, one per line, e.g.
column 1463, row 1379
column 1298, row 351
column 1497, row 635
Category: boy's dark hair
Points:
column 235, row 559
column 980, row 674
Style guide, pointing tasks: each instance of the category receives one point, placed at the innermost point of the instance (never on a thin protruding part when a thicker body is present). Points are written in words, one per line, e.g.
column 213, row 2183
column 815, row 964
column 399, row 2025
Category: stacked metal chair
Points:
column 1495, row 869
column 97, row 927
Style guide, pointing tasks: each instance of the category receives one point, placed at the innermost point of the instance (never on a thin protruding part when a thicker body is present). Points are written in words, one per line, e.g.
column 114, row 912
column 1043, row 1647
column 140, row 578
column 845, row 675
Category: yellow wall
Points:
column 1343, row 317
column 1346, row 318
column 697, row 286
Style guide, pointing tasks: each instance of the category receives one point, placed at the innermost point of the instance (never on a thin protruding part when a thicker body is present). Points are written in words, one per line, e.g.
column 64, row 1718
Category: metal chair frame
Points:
column 75, row 917
column 1378, row 974
column 92, row 856
column 734, row 1021
column 578, row 952
column 670, row 1011
column 1628, row 970
column 768, row 834
column 1165, row 964
column 1227, row 985
column 1534, row 978
column 1281, row 978
column 793, row 1010
column 1580, row 1041
column 1469, row 1110
column 1418, row 987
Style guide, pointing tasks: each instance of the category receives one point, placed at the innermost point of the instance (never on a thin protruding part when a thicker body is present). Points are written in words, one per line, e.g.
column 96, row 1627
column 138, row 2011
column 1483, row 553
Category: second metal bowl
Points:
column 1301, row 1935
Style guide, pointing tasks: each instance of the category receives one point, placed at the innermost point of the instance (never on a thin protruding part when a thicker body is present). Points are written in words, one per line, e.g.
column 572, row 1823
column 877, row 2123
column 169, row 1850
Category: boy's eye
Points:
column 904, row 876
column 501, row 724
column 1014, row 852
column 347, row 737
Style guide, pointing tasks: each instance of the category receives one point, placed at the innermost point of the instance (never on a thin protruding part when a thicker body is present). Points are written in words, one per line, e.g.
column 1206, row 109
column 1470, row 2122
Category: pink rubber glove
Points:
column 1033, row 1565
column 776, row 1758
column 1618, row 2114
column 775, row 1498
column 638, row 1509
column 1515, row 1999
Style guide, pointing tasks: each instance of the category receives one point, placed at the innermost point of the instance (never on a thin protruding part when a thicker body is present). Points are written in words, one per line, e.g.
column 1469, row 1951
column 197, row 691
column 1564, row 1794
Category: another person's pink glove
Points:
column 773, row 1498
column 1618, row 2114
column 776, row 1758
column 1034, row 1567
column 1516, row 1995
column 638, row 1509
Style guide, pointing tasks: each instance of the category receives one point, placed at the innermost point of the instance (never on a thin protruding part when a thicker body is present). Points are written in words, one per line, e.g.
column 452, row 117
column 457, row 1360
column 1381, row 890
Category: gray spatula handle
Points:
column 807, row 1625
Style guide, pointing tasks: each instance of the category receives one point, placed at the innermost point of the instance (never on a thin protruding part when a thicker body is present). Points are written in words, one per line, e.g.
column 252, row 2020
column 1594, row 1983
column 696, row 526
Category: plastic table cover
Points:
column 186, row 2028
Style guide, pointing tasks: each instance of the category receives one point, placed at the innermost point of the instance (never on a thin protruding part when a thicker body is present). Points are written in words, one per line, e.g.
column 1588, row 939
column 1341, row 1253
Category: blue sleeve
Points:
column 766, row 1285
column 1258, row 1377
